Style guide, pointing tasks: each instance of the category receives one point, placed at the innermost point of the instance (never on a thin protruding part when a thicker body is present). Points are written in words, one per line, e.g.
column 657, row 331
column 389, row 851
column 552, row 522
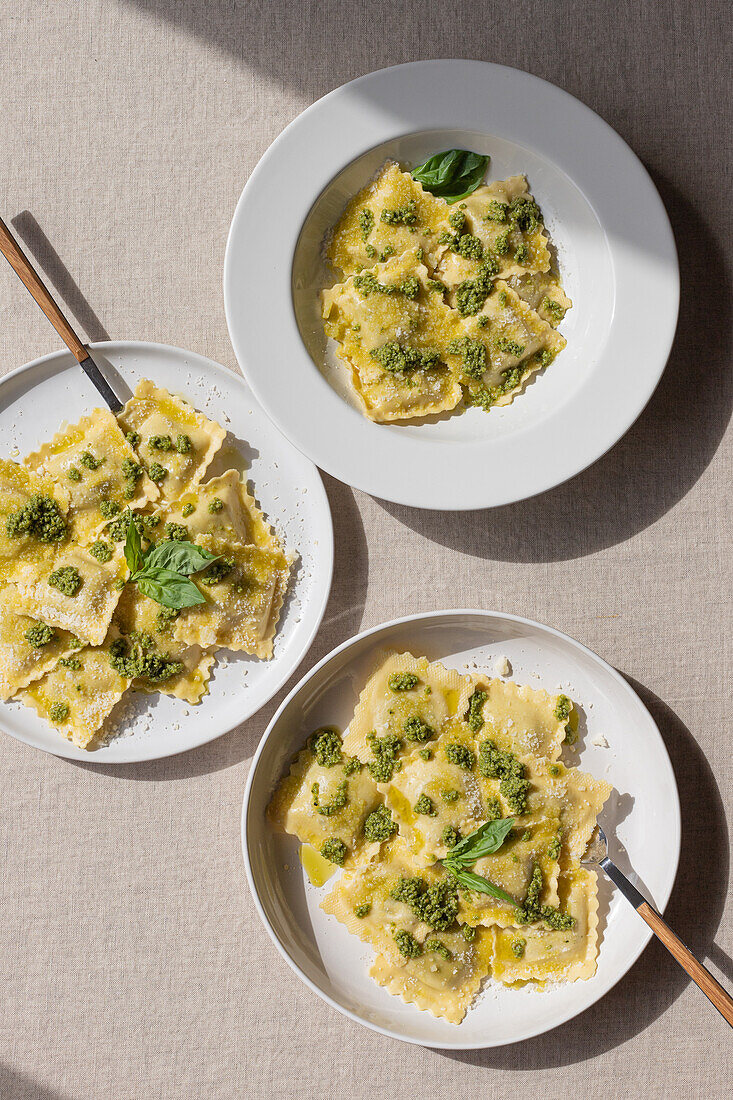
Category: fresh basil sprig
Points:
column 484, row 841
column 452, row 175
column 162, row 572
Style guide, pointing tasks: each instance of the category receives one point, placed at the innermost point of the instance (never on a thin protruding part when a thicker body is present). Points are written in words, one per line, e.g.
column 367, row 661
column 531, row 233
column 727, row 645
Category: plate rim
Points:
column 65, row 358
column 362, row 477
column 645, row 932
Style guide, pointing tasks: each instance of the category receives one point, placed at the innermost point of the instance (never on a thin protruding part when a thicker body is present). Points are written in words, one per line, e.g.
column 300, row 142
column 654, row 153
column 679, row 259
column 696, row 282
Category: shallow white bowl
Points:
column 36, row 398
column 642, row 819
column 616, row 252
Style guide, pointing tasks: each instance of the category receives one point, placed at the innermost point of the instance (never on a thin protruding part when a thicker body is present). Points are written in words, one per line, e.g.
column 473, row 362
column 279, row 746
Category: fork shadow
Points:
column 655, row 981
column 342, row 618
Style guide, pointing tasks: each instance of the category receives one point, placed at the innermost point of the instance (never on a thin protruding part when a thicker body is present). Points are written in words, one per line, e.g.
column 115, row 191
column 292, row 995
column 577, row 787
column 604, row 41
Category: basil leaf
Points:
column 133, row 547
column 476, row 882
column 168, row 588
column 180, row 557
column 452, row 175
column 484, row 841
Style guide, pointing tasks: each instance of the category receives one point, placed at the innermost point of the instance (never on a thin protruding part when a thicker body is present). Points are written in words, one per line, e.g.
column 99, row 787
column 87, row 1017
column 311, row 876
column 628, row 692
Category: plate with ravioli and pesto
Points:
column 164, row 570
column 458, row 267
column 416, row 818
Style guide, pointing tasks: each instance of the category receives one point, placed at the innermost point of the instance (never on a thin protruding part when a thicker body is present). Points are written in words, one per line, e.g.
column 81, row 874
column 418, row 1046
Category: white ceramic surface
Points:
column 642, row 819
column 616, row 252
column 34, row 401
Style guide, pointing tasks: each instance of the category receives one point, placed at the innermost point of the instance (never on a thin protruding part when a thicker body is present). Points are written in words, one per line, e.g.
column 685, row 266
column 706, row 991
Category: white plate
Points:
column 642, row 819
column 616, row 252
column 36, row 398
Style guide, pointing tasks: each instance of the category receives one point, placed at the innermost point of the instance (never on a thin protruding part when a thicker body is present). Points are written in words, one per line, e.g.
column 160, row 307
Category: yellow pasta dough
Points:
column 26, row 652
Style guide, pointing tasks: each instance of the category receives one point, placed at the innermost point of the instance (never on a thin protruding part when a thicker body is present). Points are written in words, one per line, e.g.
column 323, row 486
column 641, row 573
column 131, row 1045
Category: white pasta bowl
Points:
column 616, row 256
column 619, row 742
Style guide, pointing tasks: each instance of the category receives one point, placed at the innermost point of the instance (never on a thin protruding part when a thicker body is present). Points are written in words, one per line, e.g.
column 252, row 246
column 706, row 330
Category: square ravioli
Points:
column 149, row 628
column 497, row 351
column 519, row 718
column 406, row 703
column 98, row 469
column 77, row 696
column 544, row 294
column 326, row 799
column 497, row 232
column 244, row 593
column 33, row 523
column 386, row 218
column 28, row 648
column 410, row 918
column 541, row 953
column 393, row 331
column 77, row 591
column 175, row 442
column 222, row 507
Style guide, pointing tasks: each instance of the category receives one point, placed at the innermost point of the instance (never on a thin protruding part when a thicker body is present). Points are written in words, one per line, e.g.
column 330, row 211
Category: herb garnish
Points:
column 162, row 572
column 453, row 174
column 486, row 840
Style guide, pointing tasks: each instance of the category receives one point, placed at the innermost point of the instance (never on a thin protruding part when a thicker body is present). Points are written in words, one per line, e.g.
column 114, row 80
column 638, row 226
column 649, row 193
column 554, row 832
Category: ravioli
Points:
column 393, row 332
column 138, row 615
column 175, row 442
column 518, row 718
column 26, row 652
column 18, row 485
column 242, row 605
column 88, row 612
column 544, row 294
column 77, row 700
column 222, row 507
column 98, row 469
column 495, row 359
column 386, row 218
column 538, row 952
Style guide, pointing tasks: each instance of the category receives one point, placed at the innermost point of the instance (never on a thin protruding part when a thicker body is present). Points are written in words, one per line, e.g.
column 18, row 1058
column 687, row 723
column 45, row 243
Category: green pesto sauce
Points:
column 553, row 308
column 385, row 751
column 472, row 354
column 401, row 215
column 334, row 850
column 363, row 910
column 40, row 517
column 425, row 806
column 108, row 508
column 482, row 320
column 73, row 474
column 436, row 285
column 400, row 358
column 367, row 284
column 325, row 744
column 407, row 945
column 187, row 510
column 518, row 945
column 439, row 948
column 417, row 730
column 135, row 657
column 165, row 617
column 496, row 212
column 436, row 905
column 493, row 809
column 554, row 770
column 450, row 836
column 380, row 825
column 475, row 712
column 521, row 256
column 472, row 293
column 503, row 298
column 337, row 803
column 133, row 438
column 67, row 580
column 457, row 219
column 425, row 754
column 177, row 532
column 72, row 663
column 184, row 444
column 525, row 214
column 89, row 462
column 366, row 222
column 58, row 712
column 157, row 473
column 468, row 246
column 460, row 755
column 101, row 551
column 531, row 910
column 215, row 505
column 160, row 443
column 553, row 849
column 468, row 933
column 494, row 763
column 402, row 681
column 218, row 570
column 39, row 635
column 563, row 707
column 131, row 472
column 449, row 794
column 501, row 244
column 510, row 347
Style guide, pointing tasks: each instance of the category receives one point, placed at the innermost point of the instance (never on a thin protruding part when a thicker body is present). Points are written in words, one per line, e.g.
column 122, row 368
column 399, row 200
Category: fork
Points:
column 597, row 856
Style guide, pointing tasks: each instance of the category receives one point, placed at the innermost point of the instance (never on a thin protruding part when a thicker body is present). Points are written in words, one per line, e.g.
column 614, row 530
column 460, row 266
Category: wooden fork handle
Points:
column 30, row 278
column 702, row 977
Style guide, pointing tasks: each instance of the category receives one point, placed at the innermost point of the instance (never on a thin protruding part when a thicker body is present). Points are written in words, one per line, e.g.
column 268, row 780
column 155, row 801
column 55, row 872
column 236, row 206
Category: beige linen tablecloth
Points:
column 133, row 963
